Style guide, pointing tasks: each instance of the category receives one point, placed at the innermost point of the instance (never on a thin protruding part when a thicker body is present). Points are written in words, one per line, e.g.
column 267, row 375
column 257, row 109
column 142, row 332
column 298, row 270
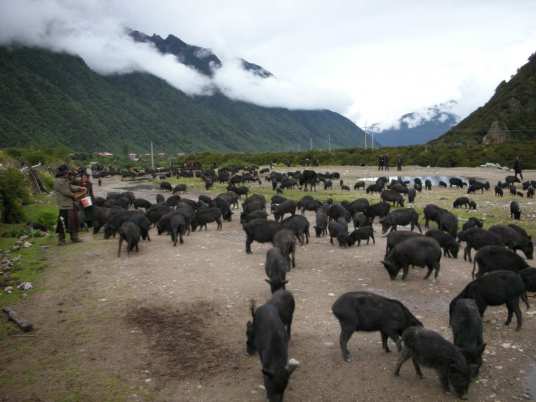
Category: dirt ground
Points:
column 168, row 323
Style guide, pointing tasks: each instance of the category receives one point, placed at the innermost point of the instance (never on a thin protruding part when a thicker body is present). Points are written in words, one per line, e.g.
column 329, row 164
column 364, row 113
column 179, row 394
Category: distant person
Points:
column 385, row 162
column 68, row 211
column 517, row 168
column 99, row 181
column 399, row 163
column 380, row 162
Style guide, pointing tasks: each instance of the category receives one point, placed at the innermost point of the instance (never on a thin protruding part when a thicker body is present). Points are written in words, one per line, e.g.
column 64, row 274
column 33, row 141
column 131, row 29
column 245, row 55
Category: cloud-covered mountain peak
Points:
column 418, row 127
column 201, row 59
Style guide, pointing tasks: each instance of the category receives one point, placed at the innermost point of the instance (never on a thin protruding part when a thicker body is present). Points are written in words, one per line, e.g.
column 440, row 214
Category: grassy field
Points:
column 29, row 262
column 492, row 210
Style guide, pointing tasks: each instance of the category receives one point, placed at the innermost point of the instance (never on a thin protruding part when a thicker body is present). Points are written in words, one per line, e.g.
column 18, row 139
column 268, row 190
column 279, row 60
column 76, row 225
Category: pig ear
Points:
column 268, row 281
column 284, row 282
column 482, row 348
column 267, row 373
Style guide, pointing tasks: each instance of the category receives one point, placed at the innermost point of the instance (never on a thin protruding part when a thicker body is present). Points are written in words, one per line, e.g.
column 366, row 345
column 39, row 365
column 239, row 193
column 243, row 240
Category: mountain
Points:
column 51, row 98
column 200, row 58
column 510, row 114
column 418, row 127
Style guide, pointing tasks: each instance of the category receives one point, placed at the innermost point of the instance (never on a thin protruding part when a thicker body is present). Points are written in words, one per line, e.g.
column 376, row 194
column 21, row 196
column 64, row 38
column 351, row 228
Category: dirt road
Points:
column 168, row 324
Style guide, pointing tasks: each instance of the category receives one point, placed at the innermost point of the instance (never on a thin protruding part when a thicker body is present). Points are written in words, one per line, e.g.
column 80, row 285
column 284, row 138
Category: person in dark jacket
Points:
column 65, row 199
column 517, row 168
column 399, row 163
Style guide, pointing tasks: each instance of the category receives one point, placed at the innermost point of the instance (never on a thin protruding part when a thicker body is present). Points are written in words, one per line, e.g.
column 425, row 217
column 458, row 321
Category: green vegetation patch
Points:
column 28, row 264
column 440, row 154
column 23, row 253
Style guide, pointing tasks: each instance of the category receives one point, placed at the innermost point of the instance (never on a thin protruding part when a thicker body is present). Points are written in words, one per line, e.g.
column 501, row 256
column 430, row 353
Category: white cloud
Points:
column 239, row 84
column 99, row 39
column 370, row 60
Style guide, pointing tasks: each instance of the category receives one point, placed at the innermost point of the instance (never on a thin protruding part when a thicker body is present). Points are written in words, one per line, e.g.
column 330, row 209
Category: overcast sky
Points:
column 369, row 60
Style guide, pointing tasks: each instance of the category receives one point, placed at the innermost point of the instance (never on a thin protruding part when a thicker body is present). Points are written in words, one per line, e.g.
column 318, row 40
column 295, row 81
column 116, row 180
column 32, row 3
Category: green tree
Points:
column 14, row 192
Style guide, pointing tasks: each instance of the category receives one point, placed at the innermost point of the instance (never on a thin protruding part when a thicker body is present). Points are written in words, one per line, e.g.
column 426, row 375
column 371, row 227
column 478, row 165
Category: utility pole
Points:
column 152, row 156
column 311, row 143
column 329, row 142
column 365, row 127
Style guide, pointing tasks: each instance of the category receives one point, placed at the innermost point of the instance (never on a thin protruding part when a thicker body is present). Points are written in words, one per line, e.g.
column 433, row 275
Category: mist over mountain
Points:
column 201, row 59
column 417, row 127
column 54, row 98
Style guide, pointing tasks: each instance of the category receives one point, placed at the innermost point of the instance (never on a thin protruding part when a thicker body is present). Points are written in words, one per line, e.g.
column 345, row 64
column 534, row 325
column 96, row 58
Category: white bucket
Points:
column 86, row 202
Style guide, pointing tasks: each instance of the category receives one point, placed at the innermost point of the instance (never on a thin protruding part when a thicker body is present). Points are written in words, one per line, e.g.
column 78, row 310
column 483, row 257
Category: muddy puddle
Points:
column 434, row 179
column 138, row 187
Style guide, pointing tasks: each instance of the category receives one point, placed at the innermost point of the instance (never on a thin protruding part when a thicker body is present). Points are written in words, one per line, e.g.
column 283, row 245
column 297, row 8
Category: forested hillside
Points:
column 510, row 114
column 49, row 99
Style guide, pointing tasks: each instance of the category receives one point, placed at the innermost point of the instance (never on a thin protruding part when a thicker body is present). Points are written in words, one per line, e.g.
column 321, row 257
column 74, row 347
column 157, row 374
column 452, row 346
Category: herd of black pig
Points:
column 503, row 276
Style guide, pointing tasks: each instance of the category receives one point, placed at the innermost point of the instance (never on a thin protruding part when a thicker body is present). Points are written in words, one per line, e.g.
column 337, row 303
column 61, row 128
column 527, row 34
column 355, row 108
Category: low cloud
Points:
column 239, row 84
column 441, row 112
column 85, row 30
column 101, row 41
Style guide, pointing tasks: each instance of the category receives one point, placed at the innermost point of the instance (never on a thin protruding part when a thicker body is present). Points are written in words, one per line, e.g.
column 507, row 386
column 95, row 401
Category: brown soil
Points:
column 168, row 323
column 185, row 337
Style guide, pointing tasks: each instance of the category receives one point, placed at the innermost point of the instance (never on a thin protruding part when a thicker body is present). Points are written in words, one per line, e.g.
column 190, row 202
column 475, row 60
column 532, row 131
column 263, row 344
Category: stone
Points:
column 25, row 286
column 497, row 134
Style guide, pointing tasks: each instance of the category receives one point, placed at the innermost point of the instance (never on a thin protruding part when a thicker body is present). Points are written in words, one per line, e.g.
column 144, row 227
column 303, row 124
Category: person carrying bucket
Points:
column 66, row 196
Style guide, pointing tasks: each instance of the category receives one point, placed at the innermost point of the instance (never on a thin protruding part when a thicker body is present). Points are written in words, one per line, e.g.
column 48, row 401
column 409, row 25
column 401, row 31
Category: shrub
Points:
column 47, row 218
column 14, row 192
column 15, row 231
column 47, row 180
column 234, row 163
